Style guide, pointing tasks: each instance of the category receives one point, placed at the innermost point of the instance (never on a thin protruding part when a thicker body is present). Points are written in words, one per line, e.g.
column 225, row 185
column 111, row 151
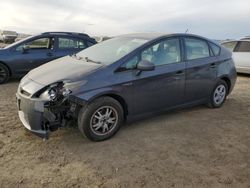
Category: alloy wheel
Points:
column 104, row 120
column 219, row 94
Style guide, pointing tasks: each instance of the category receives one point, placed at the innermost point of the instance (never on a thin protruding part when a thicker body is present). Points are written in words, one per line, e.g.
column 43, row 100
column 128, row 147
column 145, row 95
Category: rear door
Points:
column 242, row 55
column 200, row 69
column 69, row 45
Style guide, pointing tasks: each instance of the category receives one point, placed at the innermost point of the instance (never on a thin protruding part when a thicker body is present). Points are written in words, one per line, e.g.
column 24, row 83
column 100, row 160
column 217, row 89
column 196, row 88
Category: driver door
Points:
column 161, row 88
column 37, row 52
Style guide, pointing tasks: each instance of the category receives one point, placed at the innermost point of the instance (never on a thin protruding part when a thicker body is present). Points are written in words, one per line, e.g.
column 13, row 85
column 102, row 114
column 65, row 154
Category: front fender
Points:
column 89, row 96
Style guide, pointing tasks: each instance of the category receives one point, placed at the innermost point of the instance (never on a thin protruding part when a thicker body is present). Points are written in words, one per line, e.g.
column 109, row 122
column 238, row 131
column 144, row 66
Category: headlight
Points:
column 60, row 90
column 55, row 92
column 52, row 94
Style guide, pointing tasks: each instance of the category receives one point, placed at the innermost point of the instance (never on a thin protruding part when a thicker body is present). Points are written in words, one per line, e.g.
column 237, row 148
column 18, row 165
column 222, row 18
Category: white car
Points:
column 8, row 36
column 241, row 54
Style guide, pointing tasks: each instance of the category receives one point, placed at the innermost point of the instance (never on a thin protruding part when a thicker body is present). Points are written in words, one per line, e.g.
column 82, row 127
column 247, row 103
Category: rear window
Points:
column 90, row 43
column 243, row 47
column 215, row 49
column 71, row 43
column 229, row 45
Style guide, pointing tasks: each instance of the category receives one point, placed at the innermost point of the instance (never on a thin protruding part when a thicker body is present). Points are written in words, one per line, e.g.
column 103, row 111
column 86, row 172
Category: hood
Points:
column 66, row 68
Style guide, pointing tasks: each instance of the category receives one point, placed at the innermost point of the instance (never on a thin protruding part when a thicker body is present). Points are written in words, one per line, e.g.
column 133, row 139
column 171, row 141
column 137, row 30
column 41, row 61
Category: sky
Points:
column 216, row 19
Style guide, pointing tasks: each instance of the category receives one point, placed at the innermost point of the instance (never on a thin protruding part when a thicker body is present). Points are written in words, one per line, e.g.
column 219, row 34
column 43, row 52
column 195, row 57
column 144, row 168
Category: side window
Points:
column 196, row 48
column 165, row 52
column 131, row 64
column 215, row 49
column 229, row 45
column 70, row 43
column 90, row 43
column 39, row 44
column 243, row 46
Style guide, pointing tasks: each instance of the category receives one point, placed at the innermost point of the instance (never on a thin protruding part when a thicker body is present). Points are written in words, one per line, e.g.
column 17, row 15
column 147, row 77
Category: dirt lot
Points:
column 197, row 147
column 2, row 45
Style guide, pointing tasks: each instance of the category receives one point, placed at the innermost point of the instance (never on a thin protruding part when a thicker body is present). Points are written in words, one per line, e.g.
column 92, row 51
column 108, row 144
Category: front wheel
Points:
column 101, row 119
column 4, row 74
column 218, row 95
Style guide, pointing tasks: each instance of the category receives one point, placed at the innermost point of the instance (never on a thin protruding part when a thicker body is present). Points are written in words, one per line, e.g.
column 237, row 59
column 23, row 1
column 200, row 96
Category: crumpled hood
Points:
column 66, row 68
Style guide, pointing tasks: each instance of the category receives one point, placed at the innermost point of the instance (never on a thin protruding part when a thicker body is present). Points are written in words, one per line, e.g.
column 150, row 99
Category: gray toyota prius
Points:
column 124, row 78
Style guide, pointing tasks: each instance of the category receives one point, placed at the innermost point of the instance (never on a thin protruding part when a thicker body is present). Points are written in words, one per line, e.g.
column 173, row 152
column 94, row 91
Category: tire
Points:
column 94, row 122
column 218, row 95
column 4, row 74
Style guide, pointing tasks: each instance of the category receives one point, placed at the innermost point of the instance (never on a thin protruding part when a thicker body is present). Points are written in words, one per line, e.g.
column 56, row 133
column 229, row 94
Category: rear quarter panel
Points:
column 226, row 67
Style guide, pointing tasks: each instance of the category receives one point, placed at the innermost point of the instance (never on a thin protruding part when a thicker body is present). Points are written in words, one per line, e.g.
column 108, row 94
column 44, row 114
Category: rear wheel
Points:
column 4, row 74
column 218, row 95
column 101, row 119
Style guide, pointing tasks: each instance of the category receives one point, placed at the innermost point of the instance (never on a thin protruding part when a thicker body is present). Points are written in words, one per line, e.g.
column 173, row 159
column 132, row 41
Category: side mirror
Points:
column 145, row 65
column 25, row 48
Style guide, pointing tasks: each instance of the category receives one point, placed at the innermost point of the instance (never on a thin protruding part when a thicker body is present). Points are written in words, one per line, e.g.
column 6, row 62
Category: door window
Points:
column 196, row 48
column 162, row 53
column 131, row 64
column 90, row 43
column 39, row 44
column 71, row 43
column 243, row 46
column 165, row 52
column 230, row 45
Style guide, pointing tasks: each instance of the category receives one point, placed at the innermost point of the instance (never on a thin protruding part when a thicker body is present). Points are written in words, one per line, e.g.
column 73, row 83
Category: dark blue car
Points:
column 123, row 78
column 20, row 57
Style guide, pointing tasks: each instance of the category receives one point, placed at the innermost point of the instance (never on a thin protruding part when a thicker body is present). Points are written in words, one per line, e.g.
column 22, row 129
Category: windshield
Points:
column 18, row 42
column 109, row 51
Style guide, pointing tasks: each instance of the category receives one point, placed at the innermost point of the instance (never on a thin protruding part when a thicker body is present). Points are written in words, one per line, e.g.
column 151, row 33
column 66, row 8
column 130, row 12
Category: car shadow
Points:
column 161, row 116
column 71, row 135
column 13, row 80
column 243, row 75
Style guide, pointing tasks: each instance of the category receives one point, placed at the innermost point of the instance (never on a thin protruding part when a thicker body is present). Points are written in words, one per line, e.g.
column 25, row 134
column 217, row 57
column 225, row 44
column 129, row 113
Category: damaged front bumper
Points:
column 41, row 115
column 40, row 118
column 31, row 113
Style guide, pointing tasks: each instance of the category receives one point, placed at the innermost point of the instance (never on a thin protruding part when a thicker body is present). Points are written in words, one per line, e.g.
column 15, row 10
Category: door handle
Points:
column 179, row 73
column 128, row 84
column 213, row 65
column 49, row 54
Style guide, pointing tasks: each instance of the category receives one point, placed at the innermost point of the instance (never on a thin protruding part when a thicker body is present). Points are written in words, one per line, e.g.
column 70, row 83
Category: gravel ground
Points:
column 197, row 147
column 2, row 45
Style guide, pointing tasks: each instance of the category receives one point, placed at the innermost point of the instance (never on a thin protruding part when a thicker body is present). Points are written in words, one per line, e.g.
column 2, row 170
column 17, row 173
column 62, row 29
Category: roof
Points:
column 64, row 33
column 151, row 36
column 143, row 35
column 81, row 35
column 246, row 37
column 243, row 40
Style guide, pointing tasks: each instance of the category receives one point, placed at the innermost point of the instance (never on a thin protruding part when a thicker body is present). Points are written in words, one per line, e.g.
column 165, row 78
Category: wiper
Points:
column 92, row 61
column 85, row 58
column 76, row 56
